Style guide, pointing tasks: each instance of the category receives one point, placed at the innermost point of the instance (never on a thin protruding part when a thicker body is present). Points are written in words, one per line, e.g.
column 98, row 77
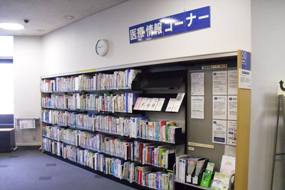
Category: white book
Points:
column 178, row 102
column 143, row 103
column 130, row 102
column 170, row 104
column 228, row 165
column 147, row 104
column 153, row 104
column 178, row 166
column 159, row 104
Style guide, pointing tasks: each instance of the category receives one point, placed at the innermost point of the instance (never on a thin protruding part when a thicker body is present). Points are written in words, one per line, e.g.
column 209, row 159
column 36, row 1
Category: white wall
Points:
column 268, row 39
column 72, row 48
column 28, row 67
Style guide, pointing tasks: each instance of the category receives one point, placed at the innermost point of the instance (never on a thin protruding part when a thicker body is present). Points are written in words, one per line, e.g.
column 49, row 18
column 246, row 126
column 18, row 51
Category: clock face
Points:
column 101, row 47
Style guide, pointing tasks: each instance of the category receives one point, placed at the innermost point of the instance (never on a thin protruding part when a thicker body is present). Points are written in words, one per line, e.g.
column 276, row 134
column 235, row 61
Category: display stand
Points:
column 281, row 110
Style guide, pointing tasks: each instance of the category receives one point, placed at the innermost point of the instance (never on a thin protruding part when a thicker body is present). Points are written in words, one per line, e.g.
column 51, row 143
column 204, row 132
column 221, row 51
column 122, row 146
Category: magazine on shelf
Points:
column 170, row 104
column 178, row 102
column 159, row 104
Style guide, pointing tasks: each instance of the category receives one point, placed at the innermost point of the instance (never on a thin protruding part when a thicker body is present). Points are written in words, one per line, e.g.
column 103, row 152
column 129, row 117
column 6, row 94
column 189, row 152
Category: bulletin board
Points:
column 204, row 85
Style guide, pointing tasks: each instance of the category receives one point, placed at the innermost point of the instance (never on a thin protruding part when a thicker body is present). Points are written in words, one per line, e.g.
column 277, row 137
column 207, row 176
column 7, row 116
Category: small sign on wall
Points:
column 281, row 87
column 245, row 71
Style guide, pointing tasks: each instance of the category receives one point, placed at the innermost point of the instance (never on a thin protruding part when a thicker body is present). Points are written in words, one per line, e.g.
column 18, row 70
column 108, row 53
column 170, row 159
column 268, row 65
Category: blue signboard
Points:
column 174, row 24
column 245, row 60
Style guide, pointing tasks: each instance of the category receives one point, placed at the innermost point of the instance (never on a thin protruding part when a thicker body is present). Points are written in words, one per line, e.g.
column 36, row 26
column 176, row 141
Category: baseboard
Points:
column 28, row 144
column 34, row 147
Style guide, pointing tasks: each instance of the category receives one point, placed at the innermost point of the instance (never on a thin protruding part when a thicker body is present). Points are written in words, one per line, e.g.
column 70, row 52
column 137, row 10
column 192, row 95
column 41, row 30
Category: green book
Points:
column 220, row 182
column 207, row 175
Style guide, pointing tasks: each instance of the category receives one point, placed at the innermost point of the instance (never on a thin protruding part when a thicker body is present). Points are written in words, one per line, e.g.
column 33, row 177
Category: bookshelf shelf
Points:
column 131, row 129
column 191, row 185
column 178, row 135
column 124, row 181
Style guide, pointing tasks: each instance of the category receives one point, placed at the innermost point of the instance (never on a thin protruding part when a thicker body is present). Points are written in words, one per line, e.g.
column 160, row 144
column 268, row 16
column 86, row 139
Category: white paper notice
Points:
column 230, row 150
column 220, row 107
column 228, row 165
column 197, row 107
column 232, row 82
column 232, row 107
column 220, row 82
column 232, row 131
column 244, row 79
column 219, row 131
column 27, row 124
column 197, row 83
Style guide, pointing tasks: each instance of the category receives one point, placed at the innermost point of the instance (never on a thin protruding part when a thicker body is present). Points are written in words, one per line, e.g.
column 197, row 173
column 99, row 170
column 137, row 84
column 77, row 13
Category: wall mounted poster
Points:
column 219, row 131
column 232, row 107
column 220, row 107
column 197, row 84
column 232, row 82
column 220, row 82
column 197, row 107
column 232, row 131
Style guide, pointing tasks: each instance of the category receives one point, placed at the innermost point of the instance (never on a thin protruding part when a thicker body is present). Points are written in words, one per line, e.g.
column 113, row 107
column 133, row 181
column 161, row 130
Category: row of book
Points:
column 134, row 127
column 69, row 136
column 99, row 81
column 156, row 180
column 130, row 171
column 94, row 102
column 145, row 153
column 156, row 104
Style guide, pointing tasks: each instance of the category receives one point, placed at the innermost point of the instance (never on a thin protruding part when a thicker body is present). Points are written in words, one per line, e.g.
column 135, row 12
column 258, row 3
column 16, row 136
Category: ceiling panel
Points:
column 48, row 15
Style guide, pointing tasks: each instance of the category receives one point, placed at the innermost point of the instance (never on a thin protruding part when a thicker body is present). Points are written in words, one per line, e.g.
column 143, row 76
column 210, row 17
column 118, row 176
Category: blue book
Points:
column 157, row 131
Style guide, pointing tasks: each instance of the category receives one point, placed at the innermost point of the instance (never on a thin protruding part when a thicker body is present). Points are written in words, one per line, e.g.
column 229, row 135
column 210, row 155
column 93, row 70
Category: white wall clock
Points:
column 101, row 47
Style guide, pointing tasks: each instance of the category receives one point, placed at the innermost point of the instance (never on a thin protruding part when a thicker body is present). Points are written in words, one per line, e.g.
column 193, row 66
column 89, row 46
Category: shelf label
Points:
column 86, row 71
column 201, row 145
column 222, row 66
column 191, row 148
column 245, row 70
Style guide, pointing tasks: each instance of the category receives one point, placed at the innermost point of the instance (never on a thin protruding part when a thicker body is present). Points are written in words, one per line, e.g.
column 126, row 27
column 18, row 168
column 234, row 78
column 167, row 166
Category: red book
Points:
column 148, row 156
column 140, row 176
column 141, row 151
column 152, row 162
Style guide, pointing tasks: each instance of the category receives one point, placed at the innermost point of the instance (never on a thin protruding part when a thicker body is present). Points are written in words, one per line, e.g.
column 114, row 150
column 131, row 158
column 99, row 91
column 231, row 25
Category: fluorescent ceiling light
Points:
column 11, row 26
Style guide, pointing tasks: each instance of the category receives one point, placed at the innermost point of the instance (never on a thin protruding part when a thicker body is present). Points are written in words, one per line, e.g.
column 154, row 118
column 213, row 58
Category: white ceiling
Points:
column 48, row 15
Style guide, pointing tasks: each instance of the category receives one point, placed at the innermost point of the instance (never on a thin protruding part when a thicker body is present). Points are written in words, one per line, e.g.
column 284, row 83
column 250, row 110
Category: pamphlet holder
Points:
column 200, row 175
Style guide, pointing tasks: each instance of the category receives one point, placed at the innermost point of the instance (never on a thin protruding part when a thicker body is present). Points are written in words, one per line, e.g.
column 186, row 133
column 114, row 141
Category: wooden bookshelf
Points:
column 147, row 84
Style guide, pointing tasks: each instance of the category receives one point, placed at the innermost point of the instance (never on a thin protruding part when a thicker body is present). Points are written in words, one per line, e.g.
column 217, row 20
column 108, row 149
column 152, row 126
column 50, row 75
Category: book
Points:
column 220, row 182
column 207, row 175
column 137, row 104
column 147, row 104
column 143, row 103
column 228, row 165
column 182, row 169
column 178, row 102
column 153, row 104
column 177, row 176
column 170, row 104
column 159, row 104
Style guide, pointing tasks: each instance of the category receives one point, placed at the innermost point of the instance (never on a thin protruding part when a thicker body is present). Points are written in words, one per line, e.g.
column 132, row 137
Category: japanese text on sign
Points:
column 179, row 23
